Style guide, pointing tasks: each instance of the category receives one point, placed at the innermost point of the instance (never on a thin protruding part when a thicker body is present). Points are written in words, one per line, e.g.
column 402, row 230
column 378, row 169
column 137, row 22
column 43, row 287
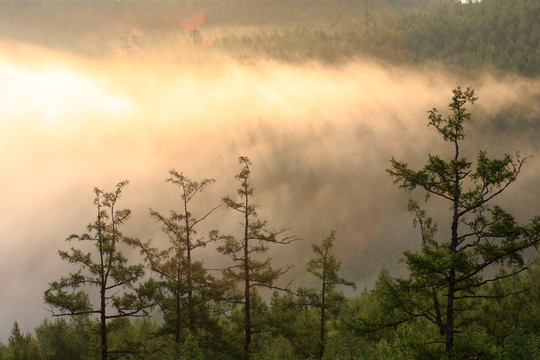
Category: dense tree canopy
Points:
column 467, row 38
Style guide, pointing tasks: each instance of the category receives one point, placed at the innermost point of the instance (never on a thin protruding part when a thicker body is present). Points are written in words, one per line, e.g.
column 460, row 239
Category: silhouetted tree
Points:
column 118, row 283
column 325, row 267
column 255, row 238
column 186, row 285
column 446, row 274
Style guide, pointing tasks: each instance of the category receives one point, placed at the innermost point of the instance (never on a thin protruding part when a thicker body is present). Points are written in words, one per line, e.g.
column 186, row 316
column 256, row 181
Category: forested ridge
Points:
column 495, row 36
column 472, row 38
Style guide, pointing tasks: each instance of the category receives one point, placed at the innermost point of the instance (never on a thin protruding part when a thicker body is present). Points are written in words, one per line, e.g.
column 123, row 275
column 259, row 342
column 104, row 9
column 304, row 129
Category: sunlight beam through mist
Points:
column 319, row 137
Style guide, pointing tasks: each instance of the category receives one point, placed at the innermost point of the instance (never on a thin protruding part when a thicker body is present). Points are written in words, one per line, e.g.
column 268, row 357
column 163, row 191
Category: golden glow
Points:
column 320, row 139
column 53, row 93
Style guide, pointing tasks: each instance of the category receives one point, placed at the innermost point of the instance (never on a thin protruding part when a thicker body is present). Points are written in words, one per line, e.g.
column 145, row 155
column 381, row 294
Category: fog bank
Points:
column 319, row 137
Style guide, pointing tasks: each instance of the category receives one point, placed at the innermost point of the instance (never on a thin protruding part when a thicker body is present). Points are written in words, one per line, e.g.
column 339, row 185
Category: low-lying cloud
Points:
column 319, row 137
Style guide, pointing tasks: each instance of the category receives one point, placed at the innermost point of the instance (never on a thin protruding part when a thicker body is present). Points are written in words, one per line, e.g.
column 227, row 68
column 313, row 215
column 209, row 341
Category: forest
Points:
column 471, row 286
column 469, row 38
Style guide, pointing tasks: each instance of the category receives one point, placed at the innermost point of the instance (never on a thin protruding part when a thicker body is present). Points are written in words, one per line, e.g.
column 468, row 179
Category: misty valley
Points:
column 294, row 179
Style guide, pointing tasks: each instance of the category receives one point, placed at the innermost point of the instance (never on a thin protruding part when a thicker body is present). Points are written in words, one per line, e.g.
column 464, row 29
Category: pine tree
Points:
column 186, row 286
column 447, row 273
column 119, row 284
column 326, row 268
column 255, row 238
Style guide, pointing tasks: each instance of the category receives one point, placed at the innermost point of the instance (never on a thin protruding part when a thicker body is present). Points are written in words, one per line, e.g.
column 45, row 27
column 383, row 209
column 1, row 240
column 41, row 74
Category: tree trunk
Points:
column 103, row 289
column 191, row 314
column 177, row 320
column 323, row 319
column 247, row 307
column 450, row 315
column 247, row 321
column 103, row 324
column 437, row 306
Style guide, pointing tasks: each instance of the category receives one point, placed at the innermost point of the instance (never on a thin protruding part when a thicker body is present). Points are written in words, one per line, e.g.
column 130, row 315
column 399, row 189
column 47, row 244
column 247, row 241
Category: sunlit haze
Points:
column 320, row 137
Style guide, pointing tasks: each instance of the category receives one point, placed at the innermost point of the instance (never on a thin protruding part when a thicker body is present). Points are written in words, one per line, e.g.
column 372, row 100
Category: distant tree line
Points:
column 470, row 293
column 466, row 38
column 489, row 35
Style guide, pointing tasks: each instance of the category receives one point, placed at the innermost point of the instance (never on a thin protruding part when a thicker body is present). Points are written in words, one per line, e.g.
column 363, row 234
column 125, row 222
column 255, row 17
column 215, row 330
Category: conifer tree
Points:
column 255, row 238
column 186, row 286
column 326, row 268
column 106, row 268
column 449, row 270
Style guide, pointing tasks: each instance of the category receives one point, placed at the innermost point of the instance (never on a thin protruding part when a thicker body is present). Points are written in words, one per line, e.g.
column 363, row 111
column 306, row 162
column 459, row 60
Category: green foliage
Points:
column 185, row 288
column 254, row 239
column 324, row 267
column 477, row 35
column 107, row 269
column 475, row 343
column 290, row 317
column 62, row 340
column 416, row 339
column 520, row 311
column 376, row 313
column 447, row 275
column 21, row 347
column 345, row 346
column 247, row 270
column 275, row 348
column 465, row 38
column 189, row 350
column 519, row 346
column 118, row 284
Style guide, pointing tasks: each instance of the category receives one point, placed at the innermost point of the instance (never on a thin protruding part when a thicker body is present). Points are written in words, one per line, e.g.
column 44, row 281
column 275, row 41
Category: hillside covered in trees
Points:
column 467, row 38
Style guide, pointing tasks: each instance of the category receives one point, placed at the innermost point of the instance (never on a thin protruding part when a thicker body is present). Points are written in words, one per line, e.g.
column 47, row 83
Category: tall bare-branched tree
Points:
column 243, row 250
column 186, row 285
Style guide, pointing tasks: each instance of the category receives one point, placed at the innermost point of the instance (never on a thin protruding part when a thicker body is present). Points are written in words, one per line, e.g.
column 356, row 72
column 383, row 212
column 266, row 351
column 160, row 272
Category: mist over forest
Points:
column 318, row 94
